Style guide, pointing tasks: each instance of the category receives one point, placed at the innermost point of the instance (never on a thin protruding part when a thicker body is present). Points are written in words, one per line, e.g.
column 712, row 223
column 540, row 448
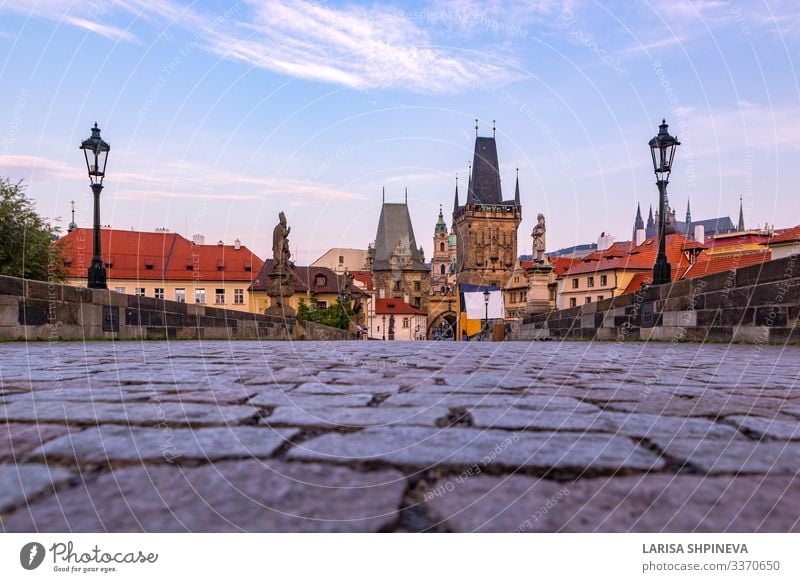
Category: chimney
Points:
column 198, row 239
column 405, row 297
column 220, row 243
column 604, row 241
column 700, row 233
column 237, row 245
column 382, row 293
column 640, row 236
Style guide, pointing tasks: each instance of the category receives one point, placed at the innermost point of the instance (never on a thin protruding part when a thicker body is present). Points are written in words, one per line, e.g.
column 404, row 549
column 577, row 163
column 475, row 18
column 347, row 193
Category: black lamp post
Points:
column 96, row 152
column 662, row 149
column 486, row 295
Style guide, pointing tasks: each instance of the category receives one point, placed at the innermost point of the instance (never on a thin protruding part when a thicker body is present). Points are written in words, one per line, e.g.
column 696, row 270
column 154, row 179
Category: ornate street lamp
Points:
column 662, row 149
column 96, row 152
column 486, row 295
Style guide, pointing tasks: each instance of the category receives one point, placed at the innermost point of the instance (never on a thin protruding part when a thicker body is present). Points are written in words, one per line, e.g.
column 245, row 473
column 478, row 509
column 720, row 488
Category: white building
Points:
column 394, row 319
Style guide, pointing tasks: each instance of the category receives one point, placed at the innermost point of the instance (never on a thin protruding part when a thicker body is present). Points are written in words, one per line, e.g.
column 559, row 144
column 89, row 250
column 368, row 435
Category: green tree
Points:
column 338, row 314
column 26, row 239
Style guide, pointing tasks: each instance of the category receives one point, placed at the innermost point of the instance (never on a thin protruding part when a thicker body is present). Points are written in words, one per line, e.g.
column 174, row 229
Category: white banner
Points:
column 475, row 304
column 401, row 557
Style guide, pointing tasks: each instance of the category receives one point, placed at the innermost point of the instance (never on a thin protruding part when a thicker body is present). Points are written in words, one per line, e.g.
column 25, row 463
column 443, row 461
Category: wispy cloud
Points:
column 42, row 168
column 108, row 31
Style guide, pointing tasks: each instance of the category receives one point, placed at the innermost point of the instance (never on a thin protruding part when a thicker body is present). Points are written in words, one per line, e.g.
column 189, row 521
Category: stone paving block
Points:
column 734, row 456
column 18, row 440
column 134, row 443
column 19, row 483
column 345, row 417
column 84, row 394
column 502, row 400
column 422, row 447
column 541, row 420
column 300, row 400
column 231, row 496
column 648, row 425
column 146, row 413
column 769, row 427
column 642, row 503
column 711, row 405
column 338, row 389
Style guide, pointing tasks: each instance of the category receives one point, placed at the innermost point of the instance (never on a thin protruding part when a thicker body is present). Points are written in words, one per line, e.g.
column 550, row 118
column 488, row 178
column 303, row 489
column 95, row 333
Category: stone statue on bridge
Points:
column 281, row 286
column 280, row 244
column 538, row 235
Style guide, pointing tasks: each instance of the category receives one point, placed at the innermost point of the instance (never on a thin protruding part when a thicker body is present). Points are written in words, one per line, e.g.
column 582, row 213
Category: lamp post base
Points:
column 97, row 275
column 662, row 272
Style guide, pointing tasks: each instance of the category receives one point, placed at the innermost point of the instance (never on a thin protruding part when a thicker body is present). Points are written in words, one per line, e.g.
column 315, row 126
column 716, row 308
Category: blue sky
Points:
column 220, row 114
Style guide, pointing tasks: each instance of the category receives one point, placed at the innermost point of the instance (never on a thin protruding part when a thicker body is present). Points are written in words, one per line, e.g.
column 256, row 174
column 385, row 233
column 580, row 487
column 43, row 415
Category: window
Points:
column 397, row 285
column 238, row 296
column 575, row 283
column 599, row 297
column 158, row 293
column 603, row 280
column 200, row 295
column 441, row 269
column 219, row 296
column 341, row 260
column 441, row 247
column 590, row 282
column 587, row 300
column 120, row 289
column 322, row 305
column 416, row 286
column 405, row 323
column 320, row 281
column 138, row 291
column 417, row 301
column 573, row 302
column 180, row 295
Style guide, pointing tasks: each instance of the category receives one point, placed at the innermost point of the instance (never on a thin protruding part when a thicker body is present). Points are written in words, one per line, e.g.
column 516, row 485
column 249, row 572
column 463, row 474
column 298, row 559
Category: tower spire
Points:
column 455, row 203
column 517, row 200
column 741, row 215
column 688, row 214
column 494, row 128
column 72, row 225
column 476, row 127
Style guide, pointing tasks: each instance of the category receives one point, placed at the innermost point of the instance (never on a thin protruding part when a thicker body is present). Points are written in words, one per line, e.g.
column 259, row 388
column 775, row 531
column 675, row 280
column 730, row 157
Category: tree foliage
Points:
column 26, row 239
column 337, row 315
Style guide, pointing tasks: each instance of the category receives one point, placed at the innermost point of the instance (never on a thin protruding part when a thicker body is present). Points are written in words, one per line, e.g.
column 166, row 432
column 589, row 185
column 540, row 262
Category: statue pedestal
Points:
column 539, row 277
column 279, row 289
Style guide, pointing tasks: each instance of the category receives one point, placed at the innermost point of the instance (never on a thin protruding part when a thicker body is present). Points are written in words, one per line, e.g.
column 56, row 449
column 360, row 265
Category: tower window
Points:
column 441, row 269
column 441, row 247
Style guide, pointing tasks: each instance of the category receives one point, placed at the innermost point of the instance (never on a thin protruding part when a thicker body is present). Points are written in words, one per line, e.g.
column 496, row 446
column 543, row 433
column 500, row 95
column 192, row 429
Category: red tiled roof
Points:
column 364, row 277
column 396, row 306
column 642, row 258
column 788, row 235
column 710, row 264
column 306, row 279
column 562, row 264
column 639, row 280
column 131, row 254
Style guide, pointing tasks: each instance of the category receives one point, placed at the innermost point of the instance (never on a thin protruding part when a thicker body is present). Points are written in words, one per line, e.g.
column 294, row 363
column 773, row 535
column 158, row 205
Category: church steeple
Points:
column 638, row 223
column 517, row 200
column 741, row 216
column 72, row 225
column 441, row 225
column 688, row 215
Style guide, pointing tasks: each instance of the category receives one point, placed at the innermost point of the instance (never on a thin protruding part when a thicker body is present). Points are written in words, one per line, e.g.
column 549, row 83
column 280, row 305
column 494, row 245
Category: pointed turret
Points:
column 638, row 222
column 517, row 200
column 688, row 214
column 72, row 225
column 650, row 229
column 740, row 227
column 485, row 180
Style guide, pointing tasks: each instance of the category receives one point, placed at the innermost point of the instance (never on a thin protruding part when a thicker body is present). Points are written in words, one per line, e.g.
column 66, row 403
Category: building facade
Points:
column 165, row 265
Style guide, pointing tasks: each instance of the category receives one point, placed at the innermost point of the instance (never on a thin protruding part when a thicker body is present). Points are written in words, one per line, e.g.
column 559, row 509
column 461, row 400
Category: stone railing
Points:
column 754, row 304
column 37, row 310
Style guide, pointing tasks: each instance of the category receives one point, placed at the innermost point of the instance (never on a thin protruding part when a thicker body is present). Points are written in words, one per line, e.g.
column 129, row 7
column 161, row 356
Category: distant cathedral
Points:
column 486, row 225
column 711, row 226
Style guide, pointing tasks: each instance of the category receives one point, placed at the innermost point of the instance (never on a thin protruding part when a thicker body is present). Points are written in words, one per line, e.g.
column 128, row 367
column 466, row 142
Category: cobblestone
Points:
column 385, row 436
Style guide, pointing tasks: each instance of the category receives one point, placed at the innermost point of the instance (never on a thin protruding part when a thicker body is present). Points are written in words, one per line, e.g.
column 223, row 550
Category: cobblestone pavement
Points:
column 399, row 436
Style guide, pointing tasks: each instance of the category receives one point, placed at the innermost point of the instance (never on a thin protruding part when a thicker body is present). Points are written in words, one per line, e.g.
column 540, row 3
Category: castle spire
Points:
column 741, row 215
column 517, row 200
column 688, row 215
